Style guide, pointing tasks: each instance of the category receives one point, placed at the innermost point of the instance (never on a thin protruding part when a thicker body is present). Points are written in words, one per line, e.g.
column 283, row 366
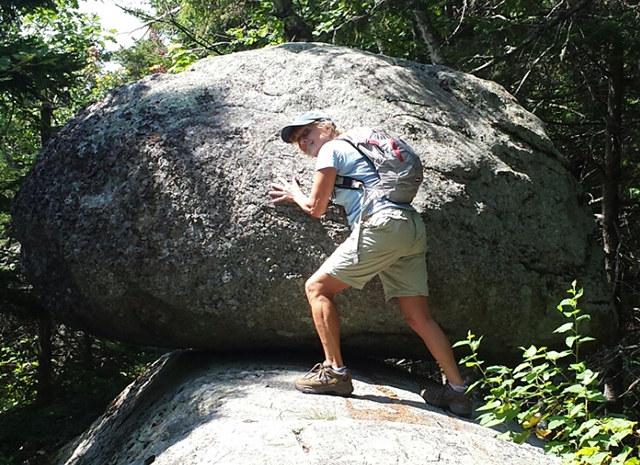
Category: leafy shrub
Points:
column 17, row 374
column 555, row 402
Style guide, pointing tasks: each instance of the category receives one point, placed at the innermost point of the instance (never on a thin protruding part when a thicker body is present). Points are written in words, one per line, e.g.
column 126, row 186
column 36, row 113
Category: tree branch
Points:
column 167, row 18
column 562, row 16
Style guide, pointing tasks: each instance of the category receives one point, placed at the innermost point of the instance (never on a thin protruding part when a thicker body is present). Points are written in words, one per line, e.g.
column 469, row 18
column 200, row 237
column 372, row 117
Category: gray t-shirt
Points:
column 349, row 162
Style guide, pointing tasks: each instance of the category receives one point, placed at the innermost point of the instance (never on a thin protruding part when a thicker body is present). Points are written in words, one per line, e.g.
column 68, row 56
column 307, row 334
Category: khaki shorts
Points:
column 392, row 244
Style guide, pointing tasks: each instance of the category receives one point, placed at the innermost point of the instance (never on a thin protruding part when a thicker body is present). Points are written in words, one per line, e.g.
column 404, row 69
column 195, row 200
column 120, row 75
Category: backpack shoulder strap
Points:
column 357, row 136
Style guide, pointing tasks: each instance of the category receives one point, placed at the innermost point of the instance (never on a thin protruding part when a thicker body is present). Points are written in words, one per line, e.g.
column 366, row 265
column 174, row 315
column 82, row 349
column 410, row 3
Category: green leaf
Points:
column 632, row 461
column 595, row 396
column 579, row 294
column 587, row 451
column 591, row 433
column 553, row 355
column 474, row 345
column 577, row 367
column 488, row 423
column 490, row 406
column 521, row 367
column 588, row 377
column 574, row 388
column 564, row 328
column 557, row 423
column 577, row 411
column 468, row 358
column 599, row 458
column 521, row 437
column 530, row 352
column 473, row 385
column 566, row 302
column 617, row 438
column 500, row 369
column 622, row 456
column 570, row 340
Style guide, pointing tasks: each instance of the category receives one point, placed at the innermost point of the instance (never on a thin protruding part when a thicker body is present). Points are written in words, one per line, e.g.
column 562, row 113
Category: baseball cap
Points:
column 302, row 120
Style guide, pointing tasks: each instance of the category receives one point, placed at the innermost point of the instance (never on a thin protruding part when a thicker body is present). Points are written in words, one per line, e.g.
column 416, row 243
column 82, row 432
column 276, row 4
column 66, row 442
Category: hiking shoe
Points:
column 322, row 379
column 444, row 396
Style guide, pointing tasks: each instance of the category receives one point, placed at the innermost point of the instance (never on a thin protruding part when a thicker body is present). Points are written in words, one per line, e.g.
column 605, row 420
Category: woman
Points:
column 389, row 241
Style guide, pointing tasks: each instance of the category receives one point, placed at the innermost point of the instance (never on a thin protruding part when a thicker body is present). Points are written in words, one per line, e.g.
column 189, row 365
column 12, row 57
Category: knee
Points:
column 321, row 286
column 411, row 321
column 312, row 289
column 418, row 320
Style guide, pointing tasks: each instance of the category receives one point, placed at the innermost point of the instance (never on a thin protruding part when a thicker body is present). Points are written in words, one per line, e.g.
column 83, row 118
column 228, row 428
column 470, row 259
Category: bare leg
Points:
column 416, row 311
column 321, row 288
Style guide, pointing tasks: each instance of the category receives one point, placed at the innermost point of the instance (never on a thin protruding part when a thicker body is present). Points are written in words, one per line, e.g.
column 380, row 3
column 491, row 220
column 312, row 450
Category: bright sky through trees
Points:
column 112, row 17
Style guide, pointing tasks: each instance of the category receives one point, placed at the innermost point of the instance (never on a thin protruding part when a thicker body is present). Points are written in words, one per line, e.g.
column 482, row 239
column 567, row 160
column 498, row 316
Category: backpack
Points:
column 398, row 166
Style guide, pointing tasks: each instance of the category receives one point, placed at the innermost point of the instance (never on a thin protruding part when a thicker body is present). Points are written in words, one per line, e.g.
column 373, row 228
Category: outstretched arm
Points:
column 316, row 203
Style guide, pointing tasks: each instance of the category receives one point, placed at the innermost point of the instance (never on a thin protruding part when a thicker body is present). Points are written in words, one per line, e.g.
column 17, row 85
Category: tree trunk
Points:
column 613, row 160
column 46, row 116
column 44, row 373
column 45, row 366
column 424, row 28
column 295, row 27
column 611, row 206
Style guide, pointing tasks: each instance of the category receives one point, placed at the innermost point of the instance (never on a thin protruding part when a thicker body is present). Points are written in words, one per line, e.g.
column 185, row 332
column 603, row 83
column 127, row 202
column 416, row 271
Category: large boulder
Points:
column 147, row 218
column 194, row 408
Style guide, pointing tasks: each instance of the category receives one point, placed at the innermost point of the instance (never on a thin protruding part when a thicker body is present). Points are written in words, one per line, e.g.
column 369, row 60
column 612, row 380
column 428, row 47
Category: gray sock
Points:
column 339, row 370
column 459, row 389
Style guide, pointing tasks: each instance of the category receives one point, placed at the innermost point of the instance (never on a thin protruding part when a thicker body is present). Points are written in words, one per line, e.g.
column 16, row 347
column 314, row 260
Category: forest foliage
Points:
column 573, row 63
